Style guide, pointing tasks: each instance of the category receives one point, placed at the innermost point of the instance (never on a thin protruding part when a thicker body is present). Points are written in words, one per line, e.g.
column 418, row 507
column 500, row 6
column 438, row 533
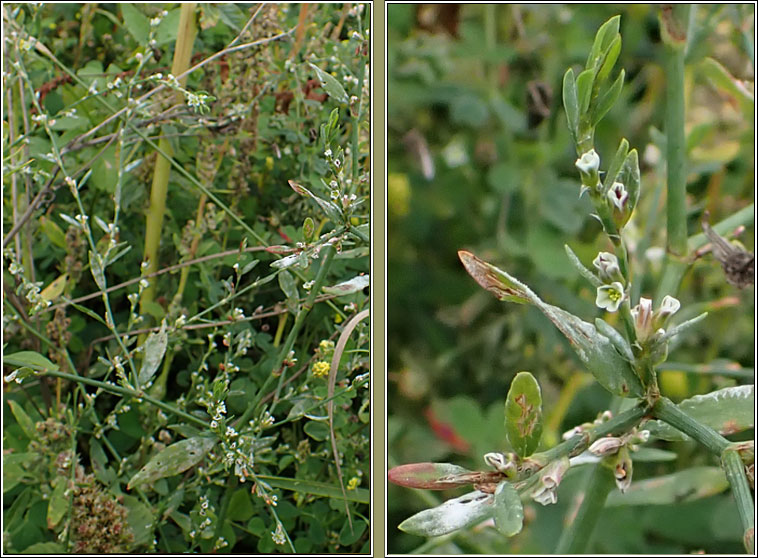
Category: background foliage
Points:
column 466, row 89
column 295, row 108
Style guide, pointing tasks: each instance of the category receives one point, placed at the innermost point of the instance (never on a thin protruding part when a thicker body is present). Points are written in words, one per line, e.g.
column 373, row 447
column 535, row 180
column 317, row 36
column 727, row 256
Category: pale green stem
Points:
column 666, row 411
column 735, row 474
column 577, row 534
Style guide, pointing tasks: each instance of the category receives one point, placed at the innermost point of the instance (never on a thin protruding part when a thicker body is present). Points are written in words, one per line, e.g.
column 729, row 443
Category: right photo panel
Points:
column 570, row 279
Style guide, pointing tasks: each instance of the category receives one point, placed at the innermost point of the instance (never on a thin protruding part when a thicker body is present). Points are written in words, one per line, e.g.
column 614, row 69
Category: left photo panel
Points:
column 186, row 261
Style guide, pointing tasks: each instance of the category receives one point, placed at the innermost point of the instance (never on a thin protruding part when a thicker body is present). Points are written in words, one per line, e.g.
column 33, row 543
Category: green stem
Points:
column 735, row 474
column 126, row 392
column 576, row 536
column 744, row 216
column 666, row 411
column 578, row 443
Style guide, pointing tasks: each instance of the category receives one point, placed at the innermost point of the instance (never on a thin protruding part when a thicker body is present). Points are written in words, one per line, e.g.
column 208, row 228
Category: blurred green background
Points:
column 480, row 158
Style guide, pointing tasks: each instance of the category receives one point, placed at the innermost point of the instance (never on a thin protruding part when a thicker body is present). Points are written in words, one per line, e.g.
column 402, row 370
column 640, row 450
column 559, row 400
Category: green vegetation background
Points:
column 504, row 186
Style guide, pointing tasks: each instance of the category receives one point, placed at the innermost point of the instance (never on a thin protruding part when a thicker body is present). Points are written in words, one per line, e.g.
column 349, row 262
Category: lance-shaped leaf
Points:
column 615, row 167
column 595, row 350
column 331, row 210
column 155, row 348
column 727, row 411
column 682, row 486
column 331, row 85
column 605, row 35
column 429, row 476
column 458, row 513
column 579, row 266
column 509, row 513
column 59, row 502
column 608, row 99
column 357, row 283
column 523, row 414
column 571, row 102
column 630, row 177
column 173, row 460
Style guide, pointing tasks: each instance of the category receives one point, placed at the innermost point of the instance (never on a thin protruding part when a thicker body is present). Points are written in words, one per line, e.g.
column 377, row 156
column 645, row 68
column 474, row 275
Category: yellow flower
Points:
column 353, row 483
column 321, row 368
column 326, row 345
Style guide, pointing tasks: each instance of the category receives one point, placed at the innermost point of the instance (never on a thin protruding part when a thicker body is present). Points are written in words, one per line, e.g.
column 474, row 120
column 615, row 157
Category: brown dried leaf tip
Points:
column 738, row 264
column 486, row 275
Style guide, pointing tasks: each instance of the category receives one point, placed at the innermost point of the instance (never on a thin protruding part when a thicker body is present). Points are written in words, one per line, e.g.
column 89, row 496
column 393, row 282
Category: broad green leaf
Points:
column 616, row 163
column 584, row 90
column 608, row 99
column 136, row 23
column 23, row 420
column 727, row 411
column 330, row 84
column 155, row 349
column 595, row 350
column 240, row 506
column 618, row 341
column 429, row 476
column 41, row 548
column 55, row 288
column 357, row 283
column 360, row 495
column 29, row 359
column 175, row 459
column 140, row 519
column 682, row 486
column 458, row 513
column 571, row 102
column 59, row 501
column 523, row 414
column 509, row 514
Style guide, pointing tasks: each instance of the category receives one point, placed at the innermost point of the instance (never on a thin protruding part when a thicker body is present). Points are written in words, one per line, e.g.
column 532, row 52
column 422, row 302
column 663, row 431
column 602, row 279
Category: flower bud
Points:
column 608, row 266
column 606, row 446
column 669, row 307
column 643, row 319
column 588, row 165
column 500, row 463
column 622, row 469
column 618, row 196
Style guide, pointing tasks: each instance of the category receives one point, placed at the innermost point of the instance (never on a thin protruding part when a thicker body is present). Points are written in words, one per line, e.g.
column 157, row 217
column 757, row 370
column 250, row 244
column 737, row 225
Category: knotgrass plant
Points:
column 225, row 408
column 624, row 361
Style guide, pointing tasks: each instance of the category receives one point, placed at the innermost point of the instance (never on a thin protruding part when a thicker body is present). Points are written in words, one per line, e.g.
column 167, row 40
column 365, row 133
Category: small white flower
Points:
column 610, row 296
column 669, row 307
column 618, row 195
column 643, row 315
column 589, row 162
column 606, row 446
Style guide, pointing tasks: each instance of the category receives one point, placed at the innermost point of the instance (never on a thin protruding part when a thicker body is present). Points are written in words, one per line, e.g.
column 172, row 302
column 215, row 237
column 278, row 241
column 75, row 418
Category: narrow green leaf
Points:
column 727, row 411
column 609, row 60
column 289, row 288
column 721, row 79
column 608, row 99
column 616, row 163
column 96, row 268
column 458, row 513
column 429, row 476
column 330, row 84
column 59, row 501
column 155, row 347
column 523, row 414
column 30, row 359
column 630, row 176
column 595, row 350
column 682, row 486
column 23, row 420
column 603, row 38
column 579, row 266
column 571, row 102
column 584, row 83
column 330, row 209
column 360, row 495
column 53, row 232
column 176, row 458
column 357, row 283
column 509, row 514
